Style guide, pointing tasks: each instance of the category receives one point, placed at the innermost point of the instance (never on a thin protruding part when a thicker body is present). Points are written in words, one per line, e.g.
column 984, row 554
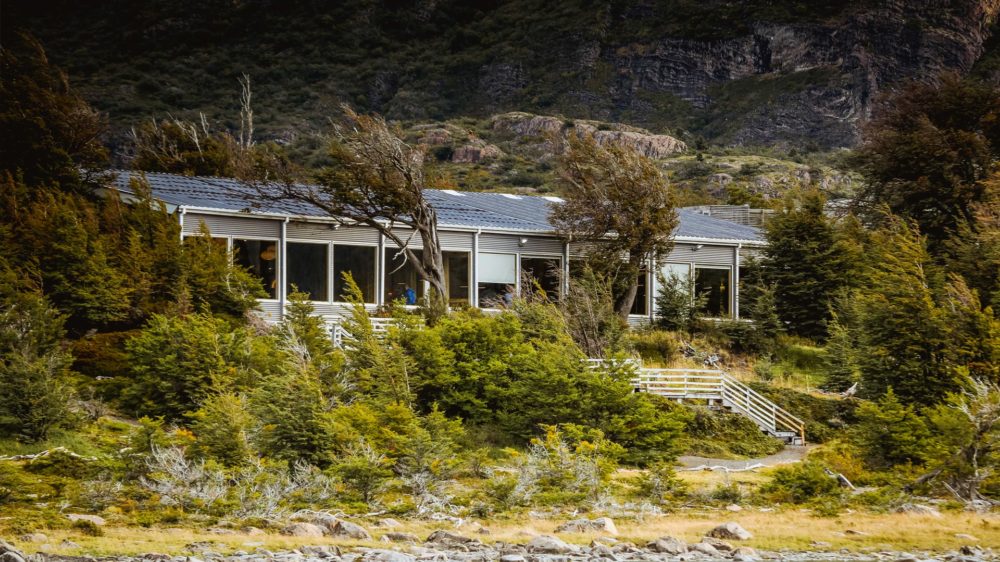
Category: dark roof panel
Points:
column 466, row 209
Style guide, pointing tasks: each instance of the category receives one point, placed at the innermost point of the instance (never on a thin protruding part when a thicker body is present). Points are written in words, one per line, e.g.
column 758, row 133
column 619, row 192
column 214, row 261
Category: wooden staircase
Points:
column 720, row 389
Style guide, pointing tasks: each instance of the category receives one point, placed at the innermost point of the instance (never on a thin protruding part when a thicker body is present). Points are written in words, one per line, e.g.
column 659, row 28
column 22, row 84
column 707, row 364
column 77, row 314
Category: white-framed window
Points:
column 260, row 258
column 361, row 263
column 308, row 269
column 457, row 274
column 497, row 279
column 714, row 283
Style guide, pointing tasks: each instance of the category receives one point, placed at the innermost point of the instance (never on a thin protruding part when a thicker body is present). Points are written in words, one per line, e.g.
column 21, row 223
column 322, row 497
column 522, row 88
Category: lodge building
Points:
column 491, row 242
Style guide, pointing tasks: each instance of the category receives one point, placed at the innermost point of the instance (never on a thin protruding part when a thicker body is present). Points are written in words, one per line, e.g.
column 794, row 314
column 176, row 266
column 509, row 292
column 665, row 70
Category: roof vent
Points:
column 509, row 196
column 453, row 192
column 553, row 199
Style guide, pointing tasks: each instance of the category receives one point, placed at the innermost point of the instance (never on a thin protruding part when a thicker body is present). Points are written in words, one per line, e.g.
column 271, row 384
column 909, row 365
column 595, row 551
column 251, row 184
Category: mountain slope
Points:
column 744, row 73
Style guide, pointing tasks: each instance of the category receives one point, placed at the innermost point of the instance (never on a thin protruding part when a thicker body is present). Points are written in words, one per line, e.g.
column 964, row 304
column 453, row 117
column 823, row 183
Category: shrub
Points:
column 364, row 471
column 88, row 528
column 800, row 483
column 655, row 346
column 890, row 433
column 223, row 427
column 659, row 482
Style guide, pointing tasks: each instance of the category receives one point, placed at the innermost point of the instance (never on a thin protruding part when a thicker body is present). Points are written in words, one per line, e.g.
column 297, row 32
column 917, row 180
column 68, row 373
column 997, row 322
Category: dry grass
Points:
column 790, row 529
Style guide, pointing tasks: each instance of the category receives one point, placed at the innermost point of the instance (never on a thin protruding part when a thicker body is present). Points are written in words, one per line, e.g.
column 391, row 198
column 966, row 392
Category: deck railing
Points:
column 717, row 386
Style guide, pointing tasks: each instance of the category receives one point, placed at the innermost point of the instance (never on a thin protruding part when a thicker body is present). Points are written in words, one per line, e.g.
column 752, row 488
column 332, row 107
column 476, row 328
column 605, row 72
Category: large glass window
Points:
column 497, row 279
column 456, row 266
column 401, row 279
column 359, row 261
column 641, row 304
column 713, row 284
column 259, row 257
column 546, row 272
column 308, row 269
column 677, row 273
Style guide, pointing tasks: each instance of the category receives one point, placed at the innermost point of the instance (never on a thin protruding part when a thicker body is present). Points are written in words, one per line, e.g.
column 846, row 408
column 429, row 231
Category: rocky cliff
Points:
column 749, row 72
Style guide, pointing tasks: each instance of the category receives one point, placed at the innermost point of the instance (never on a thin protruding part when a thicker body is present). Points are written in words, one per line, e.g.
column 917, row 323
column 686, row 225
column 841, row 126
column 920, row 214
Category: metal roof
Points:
column 462, row 209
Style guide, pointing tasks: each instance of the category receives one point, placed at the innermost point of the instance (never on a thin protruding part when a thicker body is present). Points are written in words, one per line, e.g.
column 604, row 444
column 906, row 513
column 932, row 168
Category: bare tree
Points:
column 617, row 199
column 378, row 180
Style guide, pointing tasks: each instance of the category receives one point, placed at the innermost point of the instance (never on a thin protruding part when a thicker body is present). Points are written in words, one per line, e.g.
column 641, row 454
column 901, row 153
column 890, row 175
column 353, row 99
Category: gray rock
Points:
column 303, row 530
column 95, row 519
column 389, row 523
column 400, row 537
column 731, row 531
column 33, row 537
column 668, row 545
column 703, row 548
column 66, row 543
column 10, row 554
column 446, row 537
column 512, row 558
column 320, row 550
column 719, row 544
column 745, row 554
column 918, row 509
column 600, row 525
column 349, row 530
column 546, row 544
column 820, row 544
column 378, row 555
column 602, row 551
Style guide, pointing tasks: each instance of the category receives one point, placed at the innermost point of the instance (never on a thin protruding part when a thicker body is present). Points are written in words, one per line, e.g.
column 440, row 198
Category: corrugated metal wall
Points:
column 707, row 255
column 232, row 226
column 510, row 243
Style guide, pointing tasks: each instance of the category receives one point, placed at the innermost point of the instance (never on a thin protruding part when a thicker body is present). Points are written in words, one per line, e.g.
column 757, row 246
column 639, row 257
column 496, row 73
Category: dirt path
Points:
column 787, row 455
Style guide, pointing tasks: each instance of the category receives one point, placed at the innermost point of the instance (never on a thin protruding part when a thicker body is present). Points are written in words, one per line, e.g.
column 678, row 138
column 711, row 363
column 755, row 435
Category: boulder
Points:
column 599, row 525
column 668, row 545
column 379, row 555
column 546, row 544
column 303, row 530
column 10, row 554
column 703, row 548
column 66, row 543
column 731, row 531
column 95, row 519
column 719, row 544
column 599, row 550
column 918, row 509
column 734, row 508
column 745, row 554
column 388, row 523
column 512, row 558
column 400, row 537
column 442, row 536
column 320, row 550
column 349, row 530
column 33, row 537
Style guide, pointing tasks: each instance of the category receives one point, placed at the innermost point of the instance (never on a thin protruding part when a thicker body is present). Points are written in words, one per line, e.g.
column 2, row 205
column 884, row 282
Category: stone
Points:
column 512, row 558
column 320, row 550
column 379, row 555
column 66, row 543
column 966, row 537
column 389, row 523
column 734, row 508
column 668, row 545
column 95, row 519
column 483, row 531
column 719, row 544
column 745, row 554
column 918, row 509
column 732, row 531
column 253, row 531
column 546, row 544
column 303, row 530
column 33, row 537
column 349, row 530
column 400, row 537
column 442, row 536
column 703, row 548
column 600, row 525
column 10, row 554
column 855, row 532
column 820, row 544
column 602, row 551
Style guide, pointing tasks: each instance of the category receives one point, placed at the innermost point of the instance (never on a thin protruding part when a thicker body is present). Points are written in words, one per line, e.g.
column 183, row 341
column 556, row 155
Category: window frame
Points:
column 279, row 256
column 329, row 266
column 530, row 256
column 333, row 271
column 729, row 288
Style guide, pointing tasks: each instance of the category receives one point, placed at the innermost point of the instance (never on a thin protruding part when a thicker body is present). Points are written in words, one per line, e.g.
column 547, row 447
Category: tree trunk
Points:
column 624, row 302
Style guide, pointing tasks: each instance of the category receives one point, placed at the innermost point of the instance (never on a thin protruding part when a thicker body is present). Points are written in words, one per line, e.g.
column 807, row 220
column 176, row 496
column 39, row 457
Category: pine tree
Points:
column 224, row 428
column 806, row 263
column 891, row 433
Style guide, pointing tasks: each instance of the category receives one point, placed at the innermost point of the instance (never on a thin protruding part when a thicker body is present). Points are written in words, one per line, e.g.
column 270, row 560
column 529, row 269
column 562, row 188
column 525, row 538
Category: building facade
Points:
column 492, row 244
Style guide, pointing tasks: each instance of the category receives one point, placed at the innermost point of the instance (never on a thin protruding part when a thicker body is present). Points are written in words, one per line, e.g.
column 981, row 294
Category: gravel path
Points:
column 789, row 454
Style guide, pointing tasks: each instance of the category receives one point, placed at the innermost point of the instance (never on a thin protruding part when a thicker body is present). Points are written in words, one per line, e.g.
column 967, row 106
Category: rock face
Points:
column 606, row 134
column 730, row 531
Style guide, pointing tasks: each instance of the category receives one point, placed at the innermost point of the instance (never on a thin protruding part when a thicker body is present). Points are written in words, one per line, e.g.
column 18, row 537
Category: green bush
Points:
column 800, row 483
column 88, row 528
column 717, row 431
column 655, row 346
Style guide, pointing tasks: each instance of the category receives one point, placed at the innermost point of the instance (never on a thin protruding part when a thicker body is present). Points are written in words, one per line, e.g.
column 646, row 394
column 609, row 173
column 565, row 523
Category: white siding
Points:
column 706, row 255
column 511, row 243
column 232, row 226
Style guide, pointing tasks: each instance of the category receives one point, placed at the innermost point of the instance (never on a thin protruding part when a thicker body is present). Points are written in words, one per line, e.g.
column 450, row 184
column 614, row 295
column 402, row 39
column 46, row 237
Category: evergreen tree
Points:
column 903, row 343
column 295, row 417
column 891, row 433
column 806, row 263
column 34, row 369
column 223, row 428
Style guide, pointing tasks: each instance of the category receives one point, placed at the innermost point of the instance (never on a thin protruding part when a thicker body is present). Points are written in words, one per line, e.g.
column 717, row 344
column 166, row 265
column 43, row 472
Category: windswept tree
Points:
column 619, row 201
column 378, row 180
